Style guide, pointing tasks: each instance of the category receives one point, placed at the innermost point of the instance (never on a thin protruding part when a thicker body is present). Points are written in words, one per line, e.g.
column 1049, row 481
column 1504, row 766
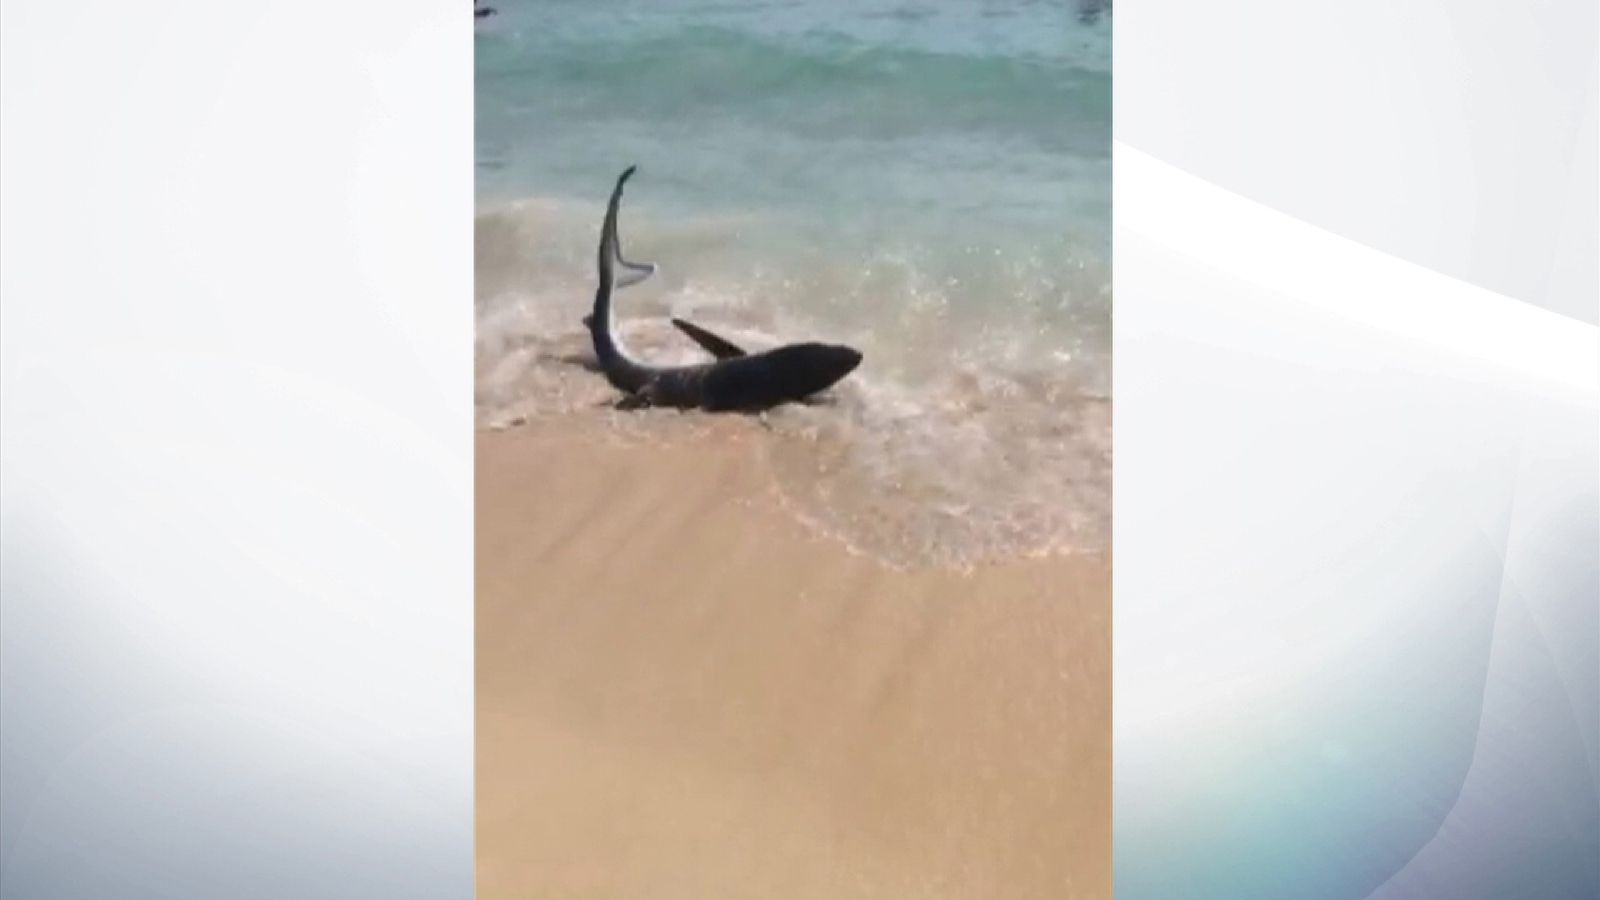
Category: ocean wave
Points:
column 820, row 83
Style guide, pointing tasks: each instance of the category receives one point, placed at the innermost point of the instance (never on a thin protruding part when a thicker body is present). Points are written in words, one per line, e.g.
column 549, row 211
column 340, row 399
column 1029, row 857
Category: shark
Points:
column 733, row 381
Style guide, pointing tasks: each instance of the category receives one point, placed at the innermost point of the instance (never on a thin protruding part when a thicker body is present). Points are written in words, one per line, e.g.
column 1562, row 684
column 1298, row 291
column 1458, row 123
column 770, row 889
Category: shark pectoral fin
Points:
column 716, row 346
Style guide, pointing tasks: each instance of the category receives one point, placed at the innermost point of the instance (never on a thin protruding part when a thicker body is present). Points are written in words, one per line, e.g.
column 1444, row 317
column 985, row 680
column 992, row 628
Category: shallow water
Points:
column 927, row 182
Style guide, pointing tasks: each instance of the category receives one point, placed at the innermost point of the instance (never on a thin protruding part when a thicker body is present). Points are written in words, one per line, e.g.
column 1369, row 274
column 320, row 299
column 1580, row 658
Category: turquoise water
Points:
column 930, row 182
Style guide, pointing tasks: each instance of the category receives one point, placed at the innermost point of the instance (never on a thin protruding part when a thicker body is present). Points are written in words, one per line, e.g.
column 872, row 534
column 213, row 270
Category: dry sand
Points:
column 682, row 693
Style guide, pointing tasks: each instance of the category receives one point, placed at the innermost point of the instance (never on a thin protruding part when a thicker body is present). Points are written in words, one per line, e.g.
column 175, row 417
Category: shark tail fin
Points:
column 636, row 272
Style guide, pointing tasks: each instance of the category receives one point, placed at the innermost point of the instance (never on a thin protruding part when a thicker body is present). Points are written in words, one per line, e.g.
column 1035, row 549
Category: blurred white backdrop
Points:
column 1358, row 563
column 235, row 367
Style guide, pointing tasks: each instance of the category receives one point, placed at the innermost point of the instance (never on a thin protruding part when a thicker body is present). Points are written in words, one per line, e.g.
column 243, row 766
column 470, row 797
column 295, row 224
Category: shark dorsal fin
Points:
column 716, row 346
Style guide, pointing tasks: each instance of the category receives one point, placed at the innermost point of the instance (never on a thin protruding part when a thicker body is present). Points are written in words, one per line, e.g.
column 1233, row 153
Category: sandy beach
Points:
column 684, row 693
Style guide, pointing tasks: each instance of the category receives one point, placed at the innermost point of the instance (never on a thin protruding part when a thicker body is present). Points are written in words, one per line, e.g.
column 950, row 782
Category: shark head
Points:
column 806, row 369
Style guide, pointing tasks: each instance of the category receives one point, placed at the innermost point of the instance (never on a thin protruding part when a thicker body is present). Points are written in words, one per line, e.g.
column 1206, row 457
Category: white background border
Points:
column 236, row 338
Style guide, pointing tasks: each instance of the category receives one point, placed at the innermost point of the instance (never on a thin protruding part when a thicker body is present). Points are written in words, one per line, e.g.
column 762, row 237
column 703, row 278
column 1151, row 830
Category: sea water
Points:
column 929, row 182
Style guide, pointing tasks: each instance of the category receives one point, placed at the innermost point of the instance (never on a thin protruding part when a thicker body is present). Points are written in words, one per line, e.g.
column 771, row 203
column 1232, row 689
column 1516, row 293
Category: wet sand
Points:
column 683, row 693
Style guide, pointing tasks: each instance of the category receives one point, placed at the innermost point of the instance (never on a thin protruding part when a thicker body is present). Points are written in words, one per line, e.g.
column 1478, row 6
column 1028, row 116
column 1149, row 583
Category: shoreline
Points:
column 683, row 691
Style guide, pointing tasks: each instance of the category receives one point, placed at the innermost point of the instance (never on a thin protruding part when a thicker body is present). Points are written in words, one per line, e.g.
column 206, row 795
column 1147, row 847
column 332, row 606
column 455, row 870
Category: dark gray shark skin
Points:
column 735, row 382
column 718, row 347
